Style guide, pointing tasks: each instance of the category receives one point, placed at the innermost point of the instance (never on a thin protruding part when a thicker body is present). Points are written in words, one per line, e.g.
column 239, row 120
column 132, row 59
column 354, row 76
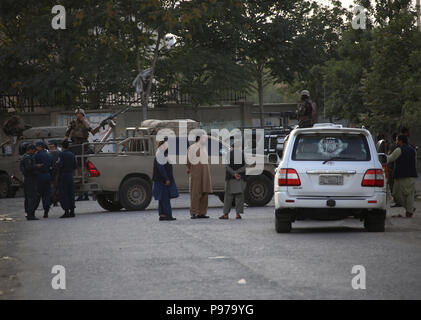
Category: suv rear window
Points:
column 341, row 147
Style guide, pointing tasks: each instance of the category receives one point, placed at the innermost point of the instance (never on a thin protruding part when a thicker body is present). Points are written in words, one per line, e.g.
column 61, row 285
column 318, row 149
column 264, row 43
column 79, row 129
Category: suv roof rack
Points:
column 331, row 125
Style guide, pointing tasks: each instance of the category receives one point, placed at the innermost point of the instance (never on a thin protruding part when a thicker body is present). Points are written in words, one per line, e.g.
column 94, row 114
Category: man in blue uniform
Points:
column 66, row 163
column 43, row 159
column 30, row 171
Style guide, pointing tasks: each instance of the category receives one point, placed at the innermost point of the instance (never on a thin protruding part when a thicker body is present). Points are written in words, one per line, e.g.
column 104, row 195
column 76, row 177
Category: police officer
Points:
column 30, row 171
column 44, row 176
column 306, row 111
column 66, row 163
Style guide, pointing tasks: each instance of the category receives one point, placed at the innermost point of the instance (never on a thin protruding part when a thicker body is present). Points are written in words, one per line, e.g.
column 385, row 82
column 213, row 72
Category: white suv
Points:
column 330, row 172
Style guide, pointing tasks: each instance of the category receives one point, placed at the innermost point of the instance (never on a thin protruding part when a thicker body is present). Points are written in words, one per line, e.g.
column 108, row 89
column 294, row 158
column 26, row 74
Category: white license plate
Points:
column 331, row 180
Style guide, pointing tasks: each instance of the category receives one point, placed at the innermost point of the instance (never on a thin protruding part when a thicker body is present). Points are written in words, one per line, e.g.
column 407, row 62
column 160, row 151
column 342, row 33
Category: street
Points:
column 131, row 255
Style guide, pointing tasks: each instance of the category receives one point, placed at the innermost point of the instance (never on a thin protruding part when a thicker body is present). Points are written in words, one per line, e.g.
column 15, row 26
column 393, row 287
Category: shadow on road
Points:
column 326, row 230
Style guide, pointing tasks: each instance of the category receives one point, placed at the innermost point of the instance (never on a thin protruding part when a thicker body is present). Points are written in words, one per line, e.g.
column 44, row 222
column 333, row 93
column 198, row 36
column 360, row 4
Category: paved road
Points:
column 131, row 255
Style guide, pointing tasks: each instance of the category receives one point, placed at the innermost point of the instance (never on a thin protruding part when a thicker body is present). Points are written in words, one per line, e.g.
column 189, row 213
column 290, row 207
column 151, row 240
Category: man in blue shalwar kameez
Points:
column 164, row 187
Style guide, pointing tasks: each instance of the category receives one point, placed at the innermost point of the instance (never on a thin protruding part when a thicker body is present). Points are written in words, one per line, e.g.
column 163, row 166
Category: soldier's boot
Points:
column 66, row 214
column 31, row 216
column 46, row 212
column 72, row 213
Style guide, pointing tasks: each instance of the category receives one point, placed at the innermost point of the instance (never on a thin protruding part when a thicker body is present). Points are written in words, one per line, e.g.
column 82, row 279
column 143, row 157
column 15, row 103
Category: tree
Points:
column 204, row 63
column 374, row 78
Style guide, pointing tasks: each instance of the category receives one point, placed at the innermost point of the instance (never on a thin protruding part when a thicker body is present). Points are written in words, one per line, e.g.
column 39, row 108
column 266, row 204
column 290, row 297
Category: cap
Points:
column 40, row 144
column 305, row 93
column 10, row 110
column 30, row 147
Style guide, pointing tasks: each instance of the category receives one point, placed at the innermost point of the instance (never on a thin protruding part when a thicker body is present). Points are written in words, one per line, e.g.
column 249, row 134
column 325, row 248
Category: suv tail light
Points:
column 373, row 178
column 288, row 177
column 93, row 172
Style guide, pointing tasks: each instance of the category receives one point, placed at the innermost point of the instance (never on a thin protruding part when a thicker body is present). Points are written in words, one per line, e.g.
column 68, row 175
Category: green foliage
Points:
column 374, row 80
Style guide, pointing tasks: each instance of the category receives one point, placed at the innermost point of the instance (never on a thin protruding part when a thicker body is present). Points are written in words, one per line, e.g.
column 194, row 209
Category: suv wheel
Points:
column 106, row 201
column 135, row 194
column 4, row 185
column 282, row 226
column 375, row 222
column 259, row 191
column 283, row 221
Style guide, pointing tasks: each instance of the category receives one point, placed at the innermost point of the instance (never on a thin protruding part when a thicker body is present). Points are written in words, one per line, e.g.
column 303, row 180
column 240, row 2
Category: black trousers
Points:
column 44, row 190
column 66, row 189
column 31, row 195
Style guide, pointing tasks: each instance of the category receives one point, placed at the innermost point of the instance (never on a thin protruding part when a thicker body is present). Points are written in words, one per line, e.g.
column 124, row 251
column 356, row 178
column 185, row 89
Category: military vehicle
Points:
column 12, row 150
column 123, row 178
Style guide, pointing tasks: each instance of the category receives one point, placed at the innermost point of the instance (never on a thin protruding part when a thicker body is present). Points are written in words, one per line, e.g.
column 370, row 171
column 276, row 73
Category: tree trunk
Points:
column 260, row 88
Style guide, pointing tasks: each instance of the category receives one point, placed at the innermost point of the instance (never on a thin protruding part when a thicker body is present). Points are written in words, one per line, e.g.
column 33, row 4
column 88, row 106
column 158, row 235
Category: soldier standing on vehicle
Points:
column 66, row 163
column 306, row 111
column 29, row 172
column 44, row 176
column 78, row 131
column 54, row 153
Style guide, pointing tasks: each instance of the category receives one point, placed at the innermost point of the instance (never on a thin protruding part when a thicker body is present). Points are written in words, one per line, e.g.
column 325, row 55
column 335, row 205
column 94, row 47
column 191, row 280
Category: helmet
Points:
column 80, row 110
column 11, row 110
column 305, row 93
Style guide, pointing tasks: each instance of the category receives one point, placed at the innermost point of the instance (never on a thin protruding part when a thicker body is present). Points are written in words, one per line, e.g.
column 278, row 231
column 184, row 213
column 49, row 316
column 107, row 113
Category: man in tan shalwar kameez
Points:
column 200, row 180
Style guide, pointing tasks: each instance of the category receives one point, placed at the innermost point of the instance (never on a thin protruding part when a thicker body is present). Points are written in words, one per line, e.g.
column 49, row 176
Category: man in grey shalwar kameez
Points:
column 234, row 183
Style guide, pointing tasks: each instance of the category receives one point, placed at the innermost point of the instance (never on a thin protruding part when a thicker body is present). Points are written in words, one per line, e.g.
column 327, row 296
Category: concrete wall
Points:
column 229, row 116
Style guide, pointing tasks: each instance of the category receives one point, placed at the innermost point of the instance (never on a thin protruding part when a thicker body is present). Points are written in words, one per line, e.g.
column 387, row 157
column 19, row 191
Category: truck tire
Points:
column 106, row 201
column 282, row 226
column 135, row 194
column 4, row 185
column 259, row 191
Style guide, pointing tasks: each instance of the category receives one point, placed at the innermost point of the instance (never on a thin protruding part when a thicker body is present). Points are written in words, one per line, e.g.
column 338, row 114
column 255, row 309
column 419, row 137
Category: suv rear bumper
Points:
column 284, row 201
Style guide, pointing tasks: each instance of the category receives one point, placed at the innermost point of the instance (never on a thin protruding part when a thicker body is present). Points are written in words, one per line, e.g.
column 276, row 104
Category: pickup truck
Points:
column 123, row 178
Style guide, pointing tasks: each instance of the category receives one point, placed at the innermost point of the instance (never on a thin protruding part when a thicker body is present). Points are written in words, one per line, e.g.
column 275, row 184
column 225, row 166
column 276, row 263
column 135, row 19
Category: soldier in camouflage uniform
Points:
column 306, row 110
column 14, row 126
column 78, row 131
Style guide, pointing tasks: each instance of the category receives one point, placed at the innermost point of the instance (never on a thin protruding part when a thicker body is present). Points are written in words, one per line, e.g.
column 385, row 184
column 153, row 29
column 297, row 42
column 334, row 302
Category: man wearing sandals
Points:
column 404, row 174
column 235, row 182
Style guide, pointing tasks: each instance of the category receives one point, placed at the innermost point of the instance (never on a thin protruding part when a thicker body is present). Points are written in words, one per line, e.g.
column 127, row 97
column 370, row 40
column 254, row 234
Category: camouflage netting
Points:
column 155, row 125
